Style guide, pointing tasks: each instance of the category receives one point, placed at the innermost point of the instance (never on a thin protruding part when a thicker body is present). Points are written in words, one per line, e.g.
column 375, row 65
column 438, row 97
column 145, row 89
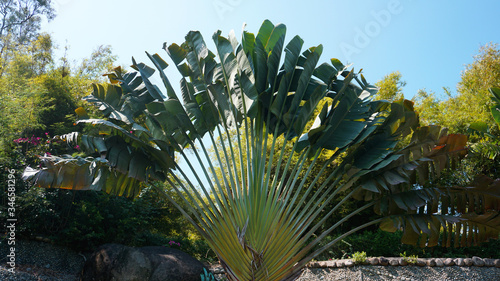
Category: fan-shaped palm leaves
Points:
column 260, row 221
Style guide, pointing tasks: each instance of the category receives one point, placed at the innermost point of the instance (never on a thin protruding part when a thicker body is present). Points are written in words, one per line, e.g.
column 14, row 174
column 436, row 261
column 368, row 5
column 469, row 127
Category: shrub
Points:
column 409, row 259
column 359, row 257
column 380, row 243
column 85, row 220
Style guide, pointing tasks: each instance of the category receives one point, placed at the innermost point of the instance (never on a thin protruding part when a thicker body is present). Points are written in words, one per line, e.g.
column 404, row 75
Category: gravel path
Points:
column 406, row 273
column 361, row 273
column 41, row 261
column 33, row 273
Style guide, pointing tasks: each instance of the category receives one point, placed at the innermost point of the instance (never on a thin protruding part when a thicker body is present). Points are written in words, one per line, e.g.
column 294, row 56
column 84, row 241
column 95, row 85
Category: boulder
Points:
column 489, row 262
column 313, row 264
column 431, row 262
column 459, row 262
column 331, row 264
column 119, row 262
column 449, row 262
column 421, row 262
column 373, row 261
column 383, row 261
column 477, row 261
column 322, row 264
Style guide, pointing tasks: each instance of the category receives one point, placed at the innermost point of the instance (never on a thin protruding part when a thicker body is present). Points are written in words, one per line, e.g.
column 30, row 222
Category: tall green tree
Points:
column 390, row 87
column 473, row 89
column 20, row 24
column 472, row 101
column 20, row 93
column 261, row 222
column 430, row 109
column 468, row 111
column 100, row 61
column 39, row 95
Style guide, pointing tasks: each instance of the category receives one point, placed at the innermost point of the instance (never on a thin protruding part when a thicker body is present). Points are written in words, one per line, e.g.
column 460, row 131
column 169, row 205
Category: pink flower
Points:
column 174, row 243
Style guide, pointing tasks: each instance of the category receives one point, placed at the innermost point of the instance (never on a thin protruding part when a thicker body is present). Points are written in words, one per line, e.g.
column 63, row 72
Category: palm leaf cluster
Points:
column 260, row 221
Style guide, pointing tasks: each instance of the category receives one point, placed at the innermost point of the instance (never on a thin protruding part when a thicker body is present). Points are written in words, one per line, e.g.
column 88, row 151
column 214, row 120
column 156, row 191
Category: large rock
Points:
column 431, row 262
column 373, row 261
column 119, row 262
column 383, row 261
column 489, row 262
column 459, row 262
column 477, row 261
column 421, row 262
column 449, row 262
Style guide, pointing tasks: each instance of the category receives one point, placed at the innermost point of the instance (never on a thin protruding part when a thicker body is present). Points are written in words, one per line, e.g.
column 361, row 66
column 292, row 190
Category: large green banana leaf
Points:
column 259, row 220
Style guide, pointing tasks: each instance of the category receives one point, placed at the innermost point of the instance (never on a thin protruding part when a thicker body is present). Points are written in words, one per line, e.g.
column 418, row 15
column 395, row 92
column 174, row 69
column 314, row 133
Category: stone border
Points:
column 383, row 261
column 439, row 262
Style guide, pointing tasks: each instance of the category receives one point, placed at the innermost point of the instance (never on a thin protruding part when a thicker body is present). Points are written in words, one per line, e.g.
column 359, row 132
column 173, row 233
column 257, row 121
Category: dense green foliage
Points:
column 385, row 244
column 85, row 220
column 38, row 97
column 468, row 108
column 20, row 25
column 471, row 102
column 390, row 87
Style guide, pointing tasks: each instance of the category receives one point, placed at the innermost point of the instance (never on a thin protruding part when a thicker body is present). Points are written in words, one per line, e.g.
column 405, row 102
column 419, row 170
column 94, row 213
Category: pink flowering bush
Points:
column 28, row 149
column 173, row 243
column 33, row 140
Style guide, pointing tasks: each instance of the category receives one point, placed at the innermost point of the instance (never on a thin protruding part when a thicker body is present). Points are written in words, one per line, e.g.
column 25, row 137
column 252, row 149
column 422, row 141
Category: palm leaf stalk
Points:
column 258, row 218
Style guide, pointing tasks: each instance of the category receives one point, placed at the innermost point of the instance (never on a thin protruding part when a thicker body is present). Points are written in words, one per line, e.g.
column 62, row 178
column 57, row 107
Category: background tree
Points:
column 469, row 108
column 38, row 97
column 20, row 24
column 431, row 110
column 473, row 89
column 472, row 100
column 390, row 87
column 100, row 61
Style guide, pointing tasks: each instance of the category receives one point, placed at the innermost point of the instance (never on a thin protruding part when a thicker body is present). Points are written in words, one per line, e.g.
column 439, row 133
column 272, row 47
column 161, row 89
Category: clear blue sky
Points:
column 429, row 42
